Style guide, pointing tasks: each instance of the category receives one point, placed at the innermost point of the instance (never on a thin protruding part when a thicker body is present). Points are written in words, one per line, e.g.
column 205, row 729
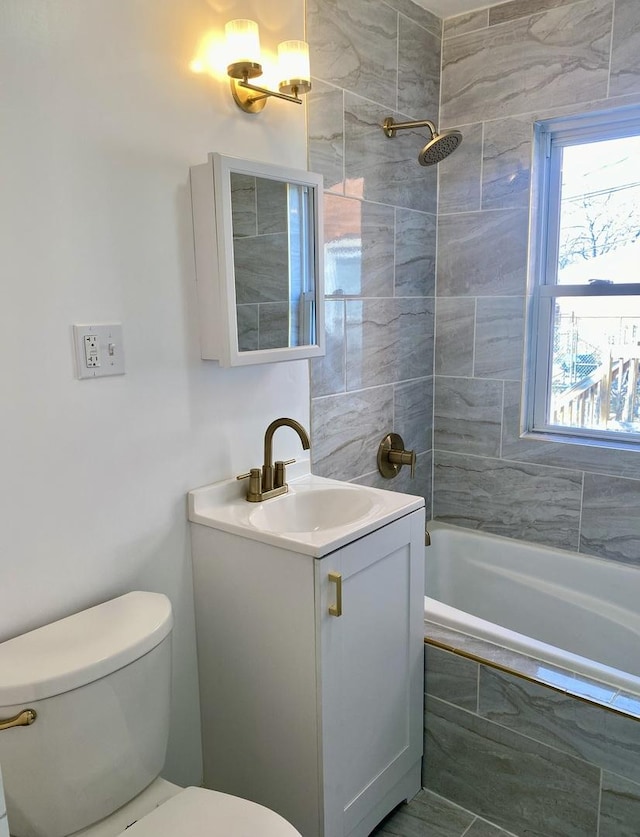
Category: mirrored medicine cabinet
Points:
column 259, row 270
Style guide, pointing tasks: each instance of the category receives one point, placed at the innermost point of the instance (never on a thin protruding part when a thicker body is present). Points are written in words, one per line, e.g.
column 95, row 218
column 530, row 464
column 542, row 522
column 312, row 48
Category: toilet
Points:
column 89, row 765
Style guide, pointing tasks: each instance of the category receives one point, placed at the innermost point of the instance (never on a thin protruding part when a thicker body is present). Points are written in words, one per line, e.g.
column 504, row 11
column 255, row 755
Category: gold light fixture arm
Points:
column 265, row 93
column 244, row 95
column 22, row 719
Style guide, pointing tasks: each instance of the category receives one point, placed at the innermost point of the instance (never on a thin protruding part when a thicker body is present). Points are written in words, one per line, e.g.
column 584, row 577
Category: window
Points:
column 584, row 377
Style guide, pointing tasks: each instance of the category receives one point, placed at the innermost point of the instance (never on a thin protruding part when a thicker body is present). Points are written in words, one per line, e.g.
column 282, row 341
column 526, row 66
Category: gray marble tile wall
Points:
column 533, row 760
column 372, row 59
column 503, row 68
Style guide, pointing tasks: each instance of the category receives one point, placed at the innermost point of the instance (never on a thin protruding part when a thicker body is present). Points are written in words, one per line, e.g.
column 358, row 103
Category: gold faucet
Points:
column 271, row 481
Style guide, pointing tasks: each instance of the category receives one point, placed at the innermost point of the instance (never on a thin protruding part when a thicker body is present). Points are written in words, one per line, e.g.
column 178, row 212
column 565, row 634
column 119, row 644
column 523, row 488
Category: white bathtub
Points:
column 575, row 611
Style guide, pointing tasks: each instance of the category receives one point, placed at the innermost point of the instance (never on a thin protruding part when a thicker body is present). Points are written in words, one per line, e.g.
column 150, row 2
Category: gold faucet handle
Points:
column 255, row 485
column 280, row 465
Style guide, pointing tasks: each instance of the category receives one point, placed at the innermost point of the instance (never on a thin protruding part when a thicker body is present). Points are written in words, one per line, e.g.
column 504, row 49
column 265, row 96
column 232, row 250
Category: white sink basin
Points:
column 315, row 517
column 313, row 510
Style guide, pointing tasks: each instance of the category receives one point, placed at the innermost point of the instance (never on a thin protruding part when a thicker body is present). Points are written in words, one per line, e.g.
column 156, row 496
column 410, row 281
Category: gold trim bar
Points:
column 22, row 719
column 468, row 655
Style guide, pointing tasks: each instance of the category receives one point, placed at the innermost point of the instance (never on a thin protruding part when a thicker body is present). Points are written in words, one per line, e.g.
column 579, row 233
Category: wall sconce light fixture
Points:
column 243, row 49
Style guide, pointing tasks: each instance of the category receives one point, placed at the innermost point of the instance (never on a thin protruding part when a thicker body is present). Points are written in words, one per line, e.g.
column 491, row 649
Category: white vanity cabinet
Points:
column 317, row 716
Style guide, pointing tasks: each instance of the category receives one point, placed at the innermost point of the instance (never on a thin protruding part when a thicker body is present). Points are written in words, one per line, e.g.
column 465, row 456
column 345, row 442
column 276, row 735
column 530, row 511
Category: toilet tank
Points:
column 99, row 682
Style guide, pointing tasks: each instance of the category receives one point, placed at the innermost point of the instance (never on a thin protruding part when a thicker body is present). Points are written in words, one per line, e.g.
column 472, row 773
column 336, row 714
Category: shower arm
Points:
column 390, row 127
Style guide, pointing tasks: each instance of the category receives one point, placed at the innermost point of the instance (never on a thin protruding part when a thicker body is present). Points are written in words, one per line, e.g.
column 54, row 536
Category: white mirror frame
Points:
column 213, row 240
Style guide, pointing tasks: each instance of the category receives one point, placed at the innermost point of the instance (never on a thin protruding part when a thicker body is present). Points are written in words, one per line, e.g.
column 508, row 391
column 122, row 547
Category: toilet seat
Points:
column 198, row 812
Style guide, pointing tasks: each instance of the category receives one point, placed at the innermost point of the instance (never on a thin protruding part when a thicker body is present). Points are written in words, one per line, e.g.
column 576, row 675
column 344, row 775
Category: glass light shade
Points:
column 293, row 66
column 243, row 42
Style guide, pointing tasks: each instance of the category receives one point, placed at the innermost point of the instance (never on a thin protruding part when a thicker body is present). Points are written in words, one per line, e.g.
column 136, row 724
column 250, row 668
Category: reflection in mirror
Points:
column 272, row 223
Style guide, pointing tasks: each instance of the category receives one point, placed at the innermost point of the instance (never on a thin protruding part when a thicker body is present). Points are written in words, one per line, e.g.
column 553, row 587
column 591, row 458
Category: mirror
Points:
column 258, row 243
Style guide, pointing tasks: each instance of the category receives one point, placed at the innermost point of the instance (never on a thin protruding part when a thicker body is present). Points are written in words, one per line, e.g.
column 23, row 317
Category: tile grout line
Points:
column 582, row 480
column 504, row 386
column 482, row 152
column 613, row 22
column 599, row 812
column 432, row 510
column 468, row 828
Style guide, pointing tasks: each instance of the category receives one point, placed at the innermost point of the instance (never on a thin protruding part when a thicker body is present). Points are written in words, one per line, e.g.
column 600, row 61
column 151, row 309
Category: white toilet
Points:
column 90, row 763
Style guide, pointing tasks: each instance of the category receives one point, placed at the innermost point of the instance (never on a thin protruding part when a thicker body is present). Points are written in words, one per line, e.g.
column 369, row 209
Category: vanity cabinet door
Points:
column 370, row 675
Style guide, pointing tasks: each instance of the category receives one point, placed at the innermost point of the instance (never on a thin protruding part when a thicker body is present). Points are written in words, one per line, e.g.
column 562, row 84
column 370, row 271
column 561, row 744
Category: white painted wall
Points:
column 100, row 119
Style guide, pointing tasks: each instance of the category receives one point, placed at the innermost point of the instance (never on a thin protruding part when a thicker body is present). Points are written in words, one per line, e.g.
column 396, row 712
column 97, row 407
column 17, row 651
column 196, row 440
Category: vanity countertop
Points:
column 315, row 517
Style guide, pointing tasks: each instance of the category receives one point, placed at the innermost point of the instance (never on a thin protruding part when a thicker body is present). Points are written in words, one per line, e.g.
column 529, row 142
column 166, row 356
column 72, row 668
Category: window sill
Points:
column 629, row 446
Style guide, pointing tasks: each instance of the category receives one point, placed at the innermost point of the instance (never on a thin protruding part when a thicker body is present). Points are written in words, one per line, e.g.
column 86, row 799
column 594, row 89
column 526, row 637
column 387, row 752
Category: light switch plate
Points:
column 99, row 350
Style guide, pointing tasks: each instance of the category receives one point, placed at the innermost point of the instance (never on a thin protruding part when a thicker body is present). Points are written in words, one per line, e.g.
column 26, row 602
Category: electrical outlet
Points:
column 98, row 350
column 91, row 351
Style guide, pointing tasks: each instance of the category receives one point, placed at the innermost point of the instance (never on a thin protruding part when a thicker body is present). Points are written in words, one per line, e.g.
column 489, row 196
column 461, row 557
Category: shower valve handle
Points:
column 392, row 456
column 403, row 457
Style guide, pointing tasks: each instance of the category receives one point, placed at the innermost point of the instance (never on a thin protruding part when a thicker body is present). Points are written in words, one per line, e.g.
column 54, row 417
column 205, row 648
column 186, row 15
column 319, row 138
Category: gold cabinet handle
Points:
column 336, row 609
column 22, row 719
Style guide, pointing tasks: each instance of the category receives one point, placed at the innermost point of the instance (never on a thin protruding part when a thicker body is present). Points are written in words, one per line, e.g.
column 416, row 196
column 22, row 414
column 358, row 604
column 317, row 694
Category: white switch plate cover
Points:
column 109, row 357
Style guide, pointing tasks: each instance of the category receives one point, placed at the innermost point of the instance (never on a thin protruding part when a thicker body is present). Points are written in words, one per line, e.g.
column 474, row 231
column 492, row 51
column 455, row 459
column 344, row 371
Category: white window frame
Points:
column 550, row 136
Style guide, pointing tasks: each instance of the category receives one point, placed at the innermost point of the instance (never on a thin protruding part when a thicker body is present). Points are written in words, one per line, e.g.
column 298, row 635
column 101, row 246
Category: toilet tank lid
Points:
column 81, row 648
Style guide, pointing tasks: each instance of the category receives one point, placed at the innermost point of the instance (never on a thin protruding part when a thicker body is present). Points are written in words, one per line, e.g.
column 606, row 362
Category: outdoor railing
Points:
column 596, row 400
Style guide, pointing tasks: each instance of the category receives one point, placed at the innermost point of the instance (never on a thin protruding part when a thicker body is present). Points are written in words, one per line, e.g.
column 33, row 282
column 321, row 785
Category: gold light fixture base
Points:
column 295, row 87
column 246, row 99
column 244, row 70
